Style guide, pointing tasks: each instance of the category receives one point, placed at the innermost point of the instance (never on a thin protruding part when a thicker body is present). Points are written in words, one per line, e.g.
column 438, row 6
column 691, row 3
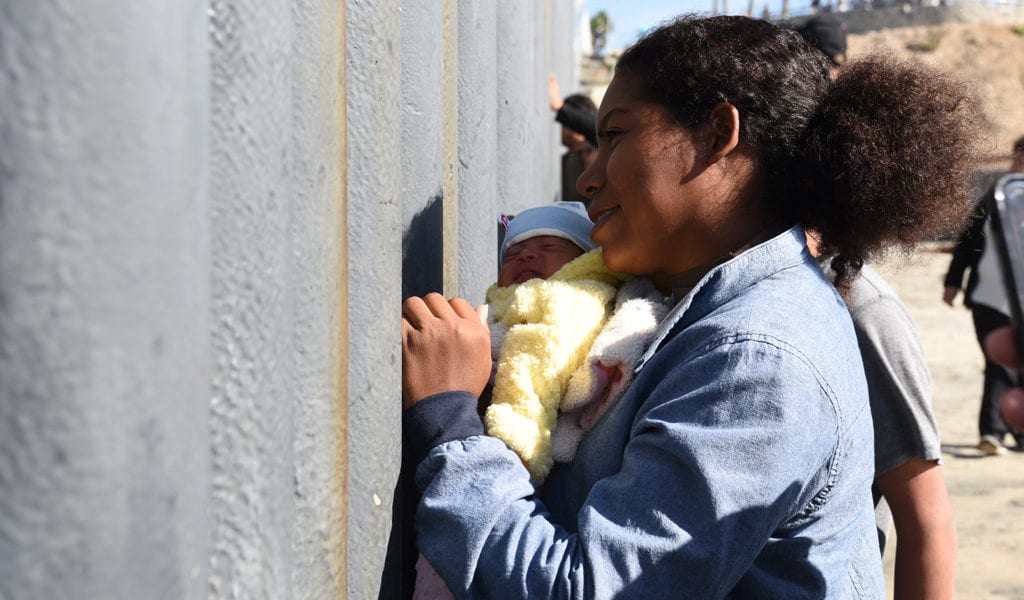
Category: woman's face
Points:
column 654, row 206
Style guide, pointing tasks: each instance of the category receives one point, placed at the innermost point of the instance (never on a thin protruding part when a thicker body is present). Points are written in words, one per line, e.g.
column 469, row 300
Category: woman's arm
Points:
column 925, row 530
column 709, row 474
column 575, row 119
column 579, row 121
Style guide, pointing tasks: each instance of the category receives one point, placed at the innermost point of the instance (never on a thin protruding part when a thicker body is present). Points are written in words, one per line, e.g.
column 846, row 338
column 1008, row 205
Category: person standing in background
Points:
column 577, row 114
column 909, row 488
column 828, row 34
column 985, row 296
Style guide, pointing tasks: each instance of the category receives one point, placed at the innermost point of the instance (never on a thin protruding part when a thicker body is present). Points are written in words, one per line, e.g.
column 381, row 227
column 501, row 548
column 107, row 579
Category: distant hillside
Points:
column 991, row 57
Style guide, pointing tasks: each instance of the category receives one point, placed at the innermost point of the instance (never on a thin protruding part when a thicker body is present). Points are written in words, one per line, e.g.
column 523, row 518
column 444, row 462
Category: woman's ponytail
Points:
column 886, row 160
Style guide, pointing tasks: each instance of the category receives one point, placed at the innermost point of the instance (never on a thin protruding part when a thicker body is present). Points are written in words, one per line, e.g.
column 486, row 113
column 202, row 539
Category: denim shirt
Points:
column 738, row 465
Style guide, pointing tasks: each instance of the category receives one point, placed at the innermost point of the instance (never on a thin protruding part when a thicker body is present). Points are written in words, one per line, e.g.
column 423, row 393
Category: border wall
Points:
column 209, row 215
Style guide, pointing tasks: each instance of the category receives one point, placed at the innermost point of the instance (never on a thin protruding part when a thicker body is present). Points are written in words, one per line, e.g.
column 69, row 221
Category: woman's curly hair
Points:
column 876, row 160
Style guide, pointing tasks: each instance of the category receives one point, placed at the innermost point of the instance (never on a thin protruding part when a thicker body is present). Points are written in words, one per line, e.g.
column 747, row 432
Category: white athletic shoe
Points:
column 991, row 446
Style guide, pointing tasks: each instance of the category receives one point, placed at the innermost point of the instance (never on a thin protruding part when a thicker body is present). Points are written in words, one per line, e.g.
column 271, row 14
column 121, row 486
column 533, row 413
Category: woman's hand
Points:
column 446, row 347
column 1001, row 348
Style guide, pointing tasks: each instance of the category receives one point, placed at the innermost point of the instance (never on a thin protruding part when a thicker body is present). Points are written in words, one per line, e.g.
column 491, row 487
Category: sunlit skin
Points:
column 1001, row 348
column 536, row 258
column 926, row 542
column 664, row 198
column 436, row 334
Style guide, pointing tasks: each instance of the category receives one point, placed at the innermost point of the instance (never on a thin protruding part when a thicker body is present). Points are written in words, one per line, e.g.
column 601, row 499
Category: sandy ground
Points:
column 987, row 492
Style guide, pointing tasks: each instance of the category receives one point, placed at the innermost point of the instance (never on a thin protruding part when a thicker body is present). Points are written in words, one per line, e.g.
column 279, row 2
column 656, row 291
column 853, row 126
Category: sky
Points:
column 631, row 17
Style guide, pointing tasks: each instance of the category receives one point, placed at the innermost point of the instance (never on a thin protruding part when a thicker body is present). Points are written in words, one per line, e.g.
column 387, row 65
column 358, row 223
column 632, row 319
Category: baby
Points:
column 565, row 334
column 563, row 328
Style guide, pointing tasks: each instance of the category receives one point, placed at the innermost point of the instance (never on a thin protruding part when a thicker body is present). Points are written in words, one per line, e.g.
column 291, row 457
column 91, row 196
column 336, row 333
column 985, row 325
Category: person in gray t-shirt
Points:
column 909, row 484
column 909, row 488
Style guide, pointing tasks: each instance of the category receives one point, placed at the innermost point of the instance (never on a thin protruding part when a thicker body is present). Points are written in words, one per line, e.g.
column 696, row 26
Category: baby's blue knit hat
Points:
column 567, row 220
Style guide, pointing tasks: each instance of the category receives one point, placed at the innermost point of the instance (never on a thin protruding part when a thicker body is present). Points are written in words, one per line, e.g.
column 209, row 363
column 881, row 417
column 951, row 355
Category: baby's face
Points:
column 536, row 258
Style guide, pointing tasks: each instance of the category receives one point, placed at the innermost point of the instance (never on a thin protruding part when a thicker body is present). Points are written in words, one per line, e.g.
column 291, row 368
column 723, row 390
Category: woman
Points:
column 739, row 464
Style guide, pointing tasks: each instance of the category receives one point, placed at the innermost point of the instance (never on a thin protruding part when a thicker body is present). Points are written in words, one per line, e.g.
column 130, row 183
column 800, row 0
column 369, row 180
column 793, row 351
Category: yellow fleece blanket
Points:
column 551, row 325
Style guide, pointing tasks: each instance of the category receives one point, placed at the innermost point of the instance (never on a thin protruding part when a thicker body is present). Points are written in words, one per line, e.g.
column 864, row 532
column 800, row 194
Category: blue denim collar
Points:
column 727, row 280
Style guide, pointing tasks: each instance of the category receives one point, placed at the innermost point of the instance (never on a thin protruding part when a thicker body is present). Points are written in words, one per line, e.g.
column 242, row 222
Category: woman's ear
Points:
column 722, row 131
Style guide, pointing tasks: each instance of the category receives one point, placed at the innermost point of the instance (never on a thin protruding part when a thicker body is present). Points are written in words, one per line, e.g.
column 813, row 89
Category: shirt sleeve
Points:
column 712, row 468
column 439, row 419
column 969, row 246
column 899, row 384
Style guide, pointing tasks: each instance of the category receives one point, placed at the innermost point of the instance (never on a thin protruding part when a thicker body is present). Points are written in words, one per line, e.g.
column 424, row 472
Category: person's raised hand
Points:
column 554, row 95
column 446, row 347
column 1001, row 348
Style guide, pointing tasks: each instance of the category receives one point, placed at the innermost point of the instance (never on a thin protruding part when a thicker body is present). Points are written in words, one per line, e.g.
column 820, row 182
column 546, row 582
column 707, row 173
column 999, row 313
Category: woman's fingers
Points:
column 1012, row 406
column 445, row 347
column 554, row 95
column 439, row 306
column 416, row 312
column 1001, row 347
column 463, row 308
column 421, row 311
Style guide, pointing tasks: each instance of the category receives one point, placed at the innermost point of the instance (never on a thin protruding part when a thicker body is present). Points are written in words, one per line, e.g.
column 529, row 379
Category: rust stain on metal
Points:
column 450, row 124
column 339, row 525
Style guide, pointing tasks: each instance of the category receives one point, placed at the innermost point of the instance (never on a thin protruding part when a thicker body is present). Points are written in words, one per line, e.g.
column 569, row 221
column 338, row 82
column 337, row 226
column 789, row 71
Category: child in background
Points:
column 565, row 332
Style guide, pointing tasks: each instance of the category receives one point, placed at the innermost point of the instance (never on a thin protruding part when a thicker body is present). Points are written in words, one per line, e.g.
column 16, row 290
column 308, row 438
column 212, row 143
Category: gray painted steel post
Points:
column 374, row 275
column 516, row 93
column 479, row 203
column 202, row 210
column 104, row 264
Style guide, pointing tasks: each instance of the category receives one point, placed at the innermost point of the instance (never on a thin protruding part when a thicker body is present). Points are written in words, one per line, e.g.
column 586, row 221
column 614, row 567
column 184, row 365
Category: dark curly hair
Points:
column 876, row 160
column 583, row 103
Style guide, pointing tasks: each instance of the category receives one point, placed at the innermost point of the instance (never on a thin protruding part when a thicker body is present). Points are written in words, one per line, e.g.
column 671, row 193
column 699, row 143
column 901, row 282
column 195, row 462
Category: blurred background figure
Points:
column 600, row 27
column 909, row 488
column 985, row 296
column 828, row 34
column 578, row 116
